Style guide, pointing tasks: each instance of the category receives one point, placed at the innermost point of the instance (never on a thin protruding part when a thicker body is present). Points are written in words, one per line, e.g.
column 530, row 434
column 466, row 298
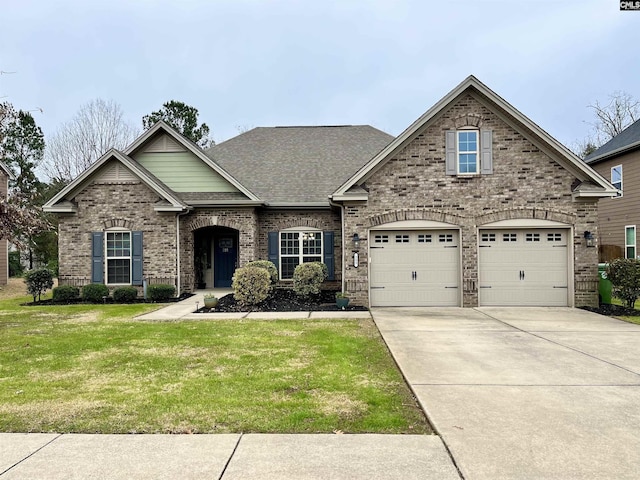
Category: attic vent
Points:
column 164, row 143
column 116, row 173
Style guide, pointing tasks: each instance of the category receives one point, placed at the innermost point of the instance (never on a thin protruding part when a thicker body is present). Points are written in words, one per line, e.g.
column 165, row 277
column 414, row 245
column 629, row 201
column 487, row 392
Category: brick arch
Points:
column 210, row 221
column 527, row 213
column 118, row 222
column 468, row 120
column 301, row 222
column 415, row 214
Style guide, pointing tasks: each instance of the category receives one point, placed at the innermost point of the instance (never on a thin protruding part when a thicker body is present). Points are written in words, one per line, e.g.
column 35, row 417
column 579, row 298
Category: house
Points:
column 473, row 204
column 618, row 217
column 5, row 176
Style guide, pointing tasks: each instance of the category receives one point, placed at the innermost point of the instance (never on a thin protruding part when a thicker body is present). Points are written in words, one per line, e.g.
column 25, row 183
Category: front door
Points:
column 225, row 259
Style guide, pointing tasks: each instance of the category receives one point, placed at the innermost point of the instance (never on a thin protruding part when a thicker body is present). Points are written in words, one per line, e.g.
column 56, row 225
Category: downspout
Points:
column 343, row 260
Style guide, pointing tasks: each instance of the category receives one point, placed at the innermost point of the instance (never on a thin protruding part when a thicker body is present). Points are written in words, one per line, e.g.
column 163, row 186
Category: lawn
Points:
column 86, row 368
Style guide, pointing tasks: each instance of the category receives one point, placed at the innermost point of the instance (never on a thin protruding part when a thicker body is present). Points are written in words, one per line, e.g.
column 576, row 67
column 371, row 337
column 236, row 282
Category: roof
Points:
column 298, row 165
column 520, row 122
column 626, row 140
column 6, row 169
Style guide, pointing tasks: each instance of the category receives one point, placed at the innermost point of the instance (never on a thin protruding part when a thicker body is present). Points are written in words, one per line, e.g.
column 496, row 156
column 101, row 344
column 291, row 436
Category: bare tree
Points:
column 98, row 126
column 613, row 117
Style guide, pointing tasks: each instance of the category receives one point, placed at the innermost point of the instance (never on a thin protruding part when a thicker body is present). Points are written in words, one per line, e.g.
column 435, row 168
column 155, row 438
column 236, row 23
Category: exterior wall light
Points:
column 588, row 236
column 356, row 242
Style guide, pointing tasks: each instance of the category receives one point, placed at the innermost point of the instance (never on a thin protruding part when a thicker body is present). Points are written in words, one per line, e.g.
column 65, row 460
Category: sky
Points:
column 250, row 63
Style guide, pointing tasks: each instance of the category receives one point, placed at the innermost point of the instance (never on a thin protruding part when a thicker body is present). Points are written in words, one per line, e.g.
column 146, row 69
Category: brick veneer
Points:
column 127, row 205
column 526, row 184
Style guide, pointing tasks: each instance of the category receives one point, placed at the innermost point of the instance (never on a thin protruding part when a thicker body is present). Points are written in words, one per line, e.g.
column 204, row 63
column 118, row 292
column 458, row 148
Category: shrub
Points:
column 624, row 274
column 94, row 292
column 66, row 293
column 307, row 278
column 15, row 265
column 251, row 285
column 53, row 266
column 160, row 292
column 38, row 281
column 125, row 294
column 268, row 266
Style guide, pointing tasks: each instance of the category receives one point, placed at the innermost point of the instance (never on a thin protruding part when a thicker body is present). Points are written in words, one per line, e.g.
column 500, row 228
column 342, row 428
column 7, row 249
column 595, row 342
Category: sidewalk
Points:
column 224, row 457
column 185, row 310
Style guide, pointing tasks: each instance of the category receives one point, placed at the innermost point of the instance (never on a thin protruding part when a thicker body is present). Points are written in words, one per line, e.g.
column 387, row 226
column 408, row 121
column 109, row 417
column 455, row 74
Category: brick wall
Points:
column 128, row 205
column 526, row 183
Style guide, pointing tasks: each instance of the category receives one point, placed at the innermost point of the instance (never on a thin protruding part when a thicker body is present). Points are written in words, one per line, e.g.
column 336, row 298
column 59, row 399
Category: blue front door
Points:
column 225, row 259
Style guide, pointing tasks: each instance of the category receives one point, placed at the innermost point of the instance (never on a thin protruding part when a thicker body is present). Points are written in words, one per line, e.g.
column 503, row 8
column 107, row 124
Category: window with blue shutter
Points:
column 97, row 263
column 329, row 260
column 136, row 258
column 273, row 249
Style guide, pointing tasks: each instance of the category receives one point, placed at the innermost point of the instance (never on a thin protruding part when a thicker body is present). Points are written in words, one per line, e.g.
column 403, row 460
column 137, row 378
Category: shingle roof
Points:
column 298, row 164
column 625, row 140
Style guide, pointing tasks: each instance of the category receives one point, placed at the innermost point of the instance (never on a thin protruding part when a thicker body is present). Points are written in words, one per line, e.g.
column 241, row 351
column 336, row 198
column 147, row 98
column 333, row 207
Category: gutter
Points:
column 343, row 260
column 178, row 279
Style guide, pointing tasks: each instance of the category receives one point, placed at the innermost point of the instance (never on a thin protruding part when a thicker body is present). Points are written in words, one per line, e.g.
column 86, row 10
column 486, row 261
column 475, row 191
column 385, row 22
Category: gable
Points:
column 115, row 172
column 462, row 100
column 182, row 171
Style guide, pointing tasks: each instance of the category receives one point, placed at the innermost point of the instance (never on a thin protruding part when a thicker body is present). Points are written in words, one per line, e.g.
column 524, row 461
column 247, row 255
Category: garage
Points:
column 523, row 267
column 414, row 268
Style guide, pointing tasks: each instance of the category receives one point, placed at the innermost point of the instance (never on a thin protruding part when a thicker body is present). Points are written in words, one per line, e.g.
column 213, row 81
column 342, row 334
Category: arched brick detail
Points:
column 118, row 222
column 301, row 222
column 210, row 221
column 468, row 120
column 527, row 213
column 415, row 214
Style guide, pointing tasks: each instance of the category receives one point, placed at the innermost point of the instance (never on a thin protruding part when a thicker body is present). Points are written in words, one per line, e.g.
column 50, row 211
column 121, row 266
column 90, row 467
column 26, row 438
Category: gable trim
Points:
column 192, row 148
column 174, row 203
column 571, row 161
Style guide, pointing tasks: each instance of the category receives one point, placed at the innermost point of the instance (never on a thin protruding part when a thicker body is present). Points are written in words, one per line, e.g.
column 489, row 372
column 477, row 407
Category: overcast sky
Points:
column 246, row 63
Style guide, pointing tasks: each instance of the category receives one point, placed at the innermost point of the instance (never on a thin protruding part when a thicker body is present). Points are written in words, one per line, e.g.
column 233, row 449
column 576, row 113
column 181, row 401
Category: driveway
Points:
column 524, row 393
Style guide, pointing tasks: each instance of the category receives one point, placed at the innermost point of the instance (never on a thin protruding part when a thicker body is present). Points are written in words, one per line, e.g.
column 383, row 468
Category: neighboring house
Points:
column 472, row 205
column 618, row 160
column 5, row 176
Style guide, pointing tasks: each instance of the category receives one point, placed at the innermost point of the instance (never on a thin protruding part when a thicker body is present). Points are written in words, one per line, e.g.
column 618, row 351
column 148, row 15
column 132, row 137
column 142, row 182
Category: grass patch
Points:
column 93, row 368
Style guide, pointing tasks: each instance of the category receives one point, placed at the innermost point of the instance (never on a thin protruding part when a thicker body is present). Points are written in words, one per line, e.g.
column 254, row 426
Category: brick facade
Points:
column 526, row 184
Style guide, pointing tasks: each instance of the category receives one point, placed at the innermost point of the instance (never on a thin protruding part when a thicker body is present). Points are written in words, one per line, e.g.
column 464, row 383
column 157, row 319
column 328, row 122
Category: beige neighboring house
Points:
column 473, row 204
column 619, row 217
column 5, row 176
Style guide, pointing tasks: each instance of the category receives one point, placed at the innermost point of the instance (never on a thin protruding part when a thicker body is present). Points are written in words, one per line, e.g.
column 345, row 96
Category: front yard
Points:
column 85, row 368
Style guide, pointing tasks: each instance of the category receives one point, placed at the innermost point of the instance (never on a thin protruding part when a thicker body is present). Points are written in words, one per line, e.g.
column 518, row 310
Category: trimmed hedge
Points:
column 94, row 292
column 308, row 277
column 624, row 274
column 251, row 285
column 268, row 266
column 66, row 293
column 125, row 294
column 160, row 292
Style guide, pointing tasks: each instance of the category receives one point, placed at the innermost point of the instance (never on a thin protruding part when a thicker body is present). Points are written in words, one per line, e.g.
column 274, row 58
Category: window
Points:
column 630, row 241
column 118, row 258
column 467, row 151
column 616, row 179
column 424, row 238
column 532, row 237
column 488, row 237
column 509, row 237
column 554, row 237
column 297, row 248
column 402, row 238
column 381, row 239
column 445, row 238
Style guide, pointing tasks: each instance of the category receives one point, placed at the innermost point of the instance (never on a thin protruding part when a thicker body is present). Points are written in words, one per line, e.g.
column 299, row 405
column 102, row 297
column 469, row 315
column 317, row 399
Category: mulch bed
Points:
column 108, row 301
column 285, row 300
column 614, row 310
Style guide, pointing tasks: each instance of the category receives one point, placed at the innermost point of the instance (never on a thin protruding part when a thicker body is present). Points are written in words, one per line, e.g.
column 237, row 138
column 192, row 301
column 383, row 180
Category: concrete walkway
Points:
column 524, row 393
column 185, row 310
column 226, row 457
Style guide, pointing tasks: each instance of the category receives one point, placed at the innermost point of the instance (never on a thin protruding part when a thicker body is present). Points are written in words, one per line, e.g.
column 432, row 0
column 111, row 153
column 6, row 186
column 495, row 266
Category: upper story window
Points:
column 616, row 179
column 467, row 151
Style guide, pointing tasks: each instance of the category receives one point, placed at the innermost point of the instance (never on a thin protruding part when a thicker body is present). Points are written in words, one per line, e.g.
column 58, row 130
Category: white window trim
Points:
column 635, row 249
column 107, row 258
column 477, row 151
column 620, row 194
column 300, row 254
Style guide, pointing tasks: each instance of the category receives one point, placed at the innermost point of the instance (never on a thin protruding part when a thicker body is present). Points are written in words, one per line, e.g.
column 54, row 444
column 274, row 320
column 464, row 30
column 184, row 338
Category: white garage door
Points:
column 414, row 268
column 523, row 267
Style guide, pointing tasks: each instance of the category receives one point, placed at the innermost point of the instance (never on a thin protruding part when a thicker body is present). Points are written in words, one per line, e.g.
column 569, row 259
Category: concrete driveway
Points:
column 524, row 393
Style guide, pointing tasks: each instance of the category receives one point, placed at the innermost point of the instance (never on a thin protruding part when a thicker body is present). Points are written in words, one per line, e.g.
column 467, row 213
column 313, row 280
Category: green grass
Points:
column 630, row 319
column 86, row 368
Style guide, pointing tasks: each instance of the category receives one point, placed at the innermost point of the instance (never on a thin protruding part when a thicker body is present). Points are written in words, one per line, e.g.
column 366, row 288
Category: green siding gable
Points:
column 184, row 172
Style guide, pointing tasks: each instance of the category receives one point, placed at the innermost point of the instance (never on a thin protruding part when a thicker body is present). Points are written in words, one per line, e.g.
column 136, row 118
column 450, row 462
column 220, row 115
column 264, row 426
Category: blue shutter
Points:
column 486, row 155
column 274, row 248
column 136, row 258
column 328, row 255
column 97, row 263
column 451, row 158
